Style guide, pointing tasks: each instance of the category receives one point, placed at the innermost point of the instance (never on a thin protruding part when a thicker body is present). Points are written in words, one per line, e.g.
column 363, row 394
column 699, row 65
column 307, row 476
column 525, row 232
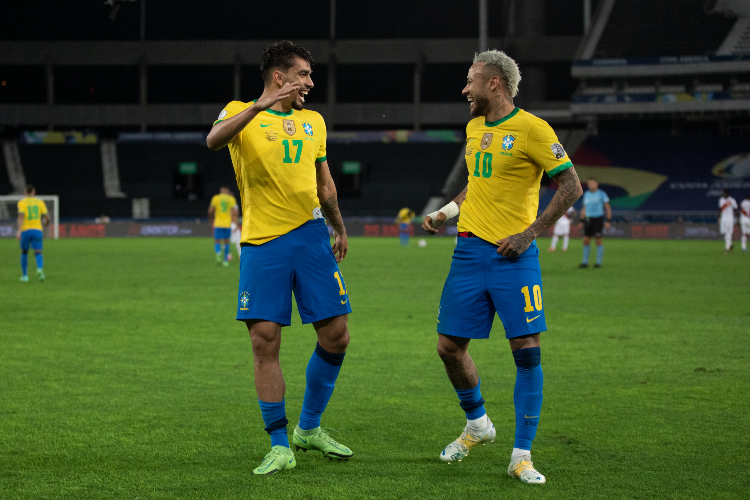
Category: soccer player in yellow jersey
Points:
column 223, row 210
column 279, row 154
column 495, row 265
column 404, row 218
column 32, row 217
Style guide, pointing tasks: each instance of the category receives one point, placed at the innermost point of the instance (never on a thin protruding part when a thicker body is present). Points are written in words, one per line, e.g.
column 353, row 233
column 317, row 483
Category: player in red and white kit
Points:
column 562, row 230
column 745, row 221
column 728, row 205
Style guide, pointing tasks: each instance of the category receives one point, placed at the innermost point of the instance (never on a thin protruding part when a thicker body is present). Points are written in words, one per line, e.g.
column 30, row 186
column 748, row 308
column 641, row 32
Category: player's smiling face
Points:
column 300, row 75
column 477, row 91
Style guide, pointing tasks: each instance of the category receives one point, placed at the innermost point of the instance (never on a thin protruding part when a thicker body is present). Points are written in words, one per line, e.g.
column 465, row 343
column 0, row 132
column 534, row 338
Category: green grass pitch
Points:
column 126, row 376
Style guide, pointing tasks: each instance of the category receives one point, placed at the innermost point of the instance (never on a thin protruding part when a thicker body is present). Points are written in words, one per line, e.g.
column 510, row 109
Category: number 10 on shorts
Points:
column 537, row 298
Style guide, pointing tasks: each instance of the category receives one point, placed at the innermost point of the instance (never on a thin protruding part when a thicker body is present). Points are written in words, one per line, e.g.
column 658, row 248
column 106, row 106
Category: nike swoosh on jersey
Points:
column 344, row 301
column 266, row 125
column 532, row 319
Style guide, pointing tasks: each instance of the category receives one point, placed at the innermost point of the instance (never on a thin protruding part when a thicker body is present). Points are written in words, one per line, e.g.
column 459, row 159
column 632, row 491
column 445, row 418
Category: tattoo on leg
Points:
column 462, row 372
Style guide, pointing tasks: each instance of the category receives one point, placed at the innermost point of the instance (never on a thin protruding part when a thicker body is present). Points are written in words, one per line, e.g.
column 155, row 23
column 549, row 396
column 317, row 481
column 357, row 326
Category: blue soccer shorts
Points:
column 481, row 282
column 301, row 261
column 31, row 238
column 222, row 233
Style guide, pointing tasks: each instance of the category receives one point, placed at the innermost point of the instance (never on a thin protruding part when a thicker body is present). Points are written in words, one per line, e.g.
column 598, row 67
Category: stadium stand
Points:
column 74, row 173
column 644, row 28
column 5, row 186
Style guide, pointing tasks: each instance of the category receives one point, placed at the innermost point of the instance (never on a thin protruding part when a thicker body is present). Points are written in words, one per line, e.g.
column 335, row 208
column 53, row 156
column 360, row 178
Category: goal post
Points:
column 9, row 210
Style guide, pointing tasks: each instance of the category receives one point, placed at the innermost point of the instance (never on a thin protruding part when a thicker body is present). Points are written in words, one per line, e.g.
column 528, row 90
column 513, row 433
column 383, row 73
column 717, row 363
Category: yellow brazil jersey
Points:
column 505, row 160
column 223, row 205
column 32, row 209
column 274, row 162
column 405, row 215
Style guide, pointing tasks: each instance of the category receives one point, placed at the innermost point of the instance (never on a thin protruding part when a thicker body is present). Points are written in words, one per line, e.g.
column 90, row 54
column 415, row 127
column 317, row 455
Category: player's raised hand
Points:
column 431, row 226
column 266, row 101
column 514, row 245
column 340, row 245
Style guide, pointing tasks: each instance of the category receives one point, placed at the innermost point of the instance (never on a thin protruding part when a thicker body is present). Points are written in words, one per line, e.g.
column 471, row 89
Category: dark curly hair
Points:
column 280, row 55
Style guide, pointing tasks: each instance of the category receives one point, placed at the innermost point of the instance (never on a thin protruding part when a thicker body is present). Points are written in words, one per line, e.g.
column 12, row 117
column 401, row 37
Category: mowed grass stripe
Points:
column 125, row 375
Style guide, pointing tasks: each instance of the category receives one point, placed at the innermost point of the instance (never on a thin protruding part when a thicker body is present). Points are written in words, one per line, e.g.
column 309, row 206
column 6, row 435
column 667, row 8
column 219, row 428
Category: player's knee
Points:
column 447, row 350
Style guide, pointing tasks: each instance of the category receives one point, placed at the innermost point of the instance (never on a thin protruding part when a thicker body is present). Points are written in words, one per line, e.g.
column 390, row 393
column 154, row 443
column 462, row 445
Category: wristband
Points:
column 450, row 210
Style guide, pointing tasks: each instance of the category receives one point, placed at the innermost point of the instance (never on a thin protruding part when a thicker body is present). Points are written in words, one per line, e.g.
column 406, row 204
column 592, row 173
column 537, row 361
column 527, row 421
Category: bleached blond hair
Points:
column 503, row 64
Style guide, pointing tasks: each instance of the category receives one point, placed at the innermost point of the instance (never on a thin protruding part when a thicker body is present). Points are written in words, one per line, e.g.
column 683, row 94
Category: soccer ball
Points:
column 422, row 242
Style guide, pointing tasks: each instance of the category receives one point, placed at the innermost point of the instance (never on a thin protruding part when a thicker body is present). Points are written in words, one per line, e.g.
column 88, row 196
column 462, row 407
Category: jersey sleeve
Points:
column 605, row 198
column 320, row 156
column 545, row 150
column 231, row 110
column 21, row 205
column 734, row 204
column 42, row 208
column 234, row 202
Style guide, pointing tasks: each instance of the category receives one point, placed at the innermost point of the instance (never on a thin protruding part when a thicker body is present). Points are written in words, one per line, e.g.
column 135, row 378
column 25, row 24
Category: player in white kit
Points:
column 728, row 205
column 745, row 221
column 562, row 230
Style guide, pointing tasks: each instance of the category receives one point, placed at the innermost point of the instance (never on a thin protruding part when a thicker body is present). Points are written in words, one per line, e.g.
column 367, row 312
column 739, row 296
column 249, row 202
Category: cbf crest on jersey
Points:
column 244, row 299
column 508, row 141
column 486, row 140
column 289, row 127
column 307, row 128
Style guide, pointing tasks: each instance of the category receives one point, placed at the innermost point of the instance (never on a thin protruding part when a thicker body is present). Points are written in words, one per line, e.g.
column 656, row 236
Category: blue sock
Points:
column 226, row 251
column 24, row 263
column 39, row 260
column 217, row 247
column 321, row 374
column 527, row 396
column 599, row 254
column 274, row 416
column 404, row 239
column 472, row 402
column 586, row 252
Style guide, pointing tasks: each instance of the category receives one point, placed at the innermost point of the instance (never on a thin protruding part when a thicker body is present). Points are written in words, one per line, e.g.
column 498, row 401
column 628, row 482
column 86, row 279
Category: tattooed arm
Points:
column 329, row 205
column 568, row 191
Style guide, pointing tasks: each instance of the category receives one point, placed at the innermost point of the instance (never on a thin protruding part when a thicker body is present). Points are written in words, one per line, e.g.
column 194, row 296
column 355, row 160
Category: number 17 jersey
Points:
column 274, row 163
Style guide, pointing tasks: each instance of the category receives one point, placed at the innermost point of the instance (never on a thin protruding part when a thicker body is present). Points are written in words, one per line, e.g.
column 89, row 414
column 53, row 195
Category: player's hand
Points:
column 430, row 226
column 514, row 245
column 340, row 245
column 607, row 225
column 18, row 235
column 267, row 101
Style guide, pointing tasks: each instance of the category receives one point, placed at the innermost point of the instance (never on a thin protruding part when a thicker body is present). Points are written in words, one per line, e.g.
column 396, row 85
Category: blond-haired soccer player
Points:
column 495, row 265
column 278, row 150
column 223, row 211
column 32, row 217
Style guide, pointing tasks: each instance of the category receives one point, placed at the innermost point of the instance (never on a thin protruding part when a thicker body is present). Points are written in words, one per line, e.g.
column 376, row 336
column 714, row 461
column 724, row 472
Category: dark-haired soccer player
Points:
column 495, row 265
column 223, row 211
column 279, row 154
column 32, row 216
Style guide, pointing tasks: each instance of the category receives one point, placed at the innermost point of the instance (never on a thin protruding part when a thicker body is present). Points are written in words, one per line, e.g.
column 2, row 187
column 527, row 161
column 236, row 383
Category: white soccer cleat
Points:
column 458, row 449
column 523, row 469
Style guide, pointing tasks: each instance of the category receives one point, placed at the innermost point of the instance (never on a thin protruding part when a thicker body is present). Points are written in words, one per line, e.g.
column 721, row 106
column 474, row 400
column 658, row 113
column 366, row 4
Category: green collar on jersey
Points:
column 501, row 120
column 280, row 113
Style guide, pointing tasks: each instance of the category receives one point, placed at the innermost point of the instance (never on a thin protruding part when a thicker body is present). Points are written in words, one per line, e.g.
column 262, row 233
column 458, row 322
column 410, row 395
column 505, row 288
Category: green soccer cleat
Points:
column 523, row 469
column 219, row 258
column 24, row 279
column 317, row 440
column 40, row 275
column 225, row 263
column 277, row 460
